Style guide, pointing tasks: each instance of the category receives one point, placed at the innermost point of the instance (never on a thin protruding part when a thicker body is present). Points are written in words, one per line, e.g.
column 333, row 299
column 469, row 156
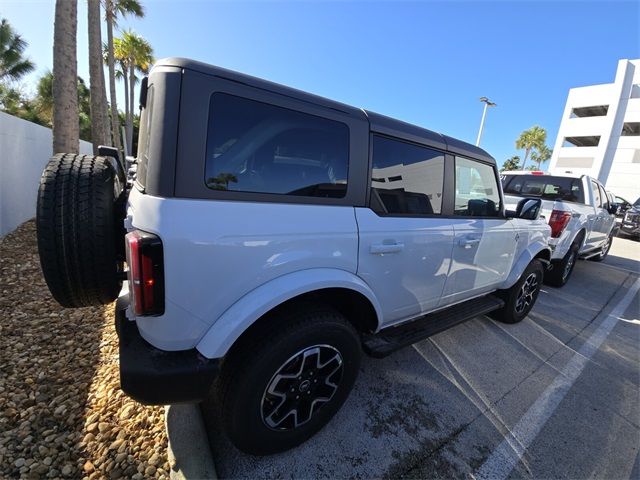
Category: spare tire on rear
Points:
column 80, row 230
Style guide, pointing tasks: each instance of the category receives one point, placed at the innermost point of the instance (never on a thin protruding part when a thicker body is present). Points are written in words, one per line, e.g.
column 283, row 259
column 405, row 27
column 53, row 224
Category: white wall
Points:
column 616, row 160
column 25, row 149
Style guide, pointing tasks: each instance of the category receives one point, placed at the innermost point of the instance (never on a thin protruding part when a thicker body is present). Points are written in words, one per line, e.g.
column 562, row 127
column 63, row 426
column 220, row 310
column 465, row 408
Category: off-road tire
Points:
column 251, row 367
column 562, row 269
column 79, row 228
column 604, row 251
column 509, row 313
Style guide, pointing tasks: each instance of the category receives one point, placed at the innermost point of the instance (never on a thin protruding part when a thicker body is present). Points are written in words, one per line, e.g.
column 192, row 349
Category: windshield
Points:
column 637, row 203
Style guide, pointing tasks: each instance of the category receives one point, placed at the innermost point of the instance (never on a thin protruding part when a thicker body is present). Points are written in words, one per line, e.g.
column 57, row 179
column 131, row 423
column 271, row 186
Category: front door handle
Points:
column 468, row 242
column 381, row 248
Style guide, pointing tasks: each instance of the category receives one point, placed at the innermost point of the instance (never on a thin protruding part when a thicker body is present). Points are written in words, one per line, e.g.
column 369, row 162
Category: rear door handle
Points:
column 381, row 248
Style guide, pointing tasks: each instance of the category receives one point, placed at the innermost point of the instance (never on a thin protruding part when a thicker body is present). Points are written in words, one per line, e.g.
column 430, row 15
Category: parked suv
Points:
column 578, row 209
column 271, row 235
column 631, row 221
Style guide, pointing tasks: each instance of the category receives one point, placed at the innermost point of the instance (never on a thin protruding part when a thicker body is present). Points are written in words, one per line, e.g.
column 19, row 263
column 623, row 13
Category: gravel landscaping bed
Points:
column 62, row 413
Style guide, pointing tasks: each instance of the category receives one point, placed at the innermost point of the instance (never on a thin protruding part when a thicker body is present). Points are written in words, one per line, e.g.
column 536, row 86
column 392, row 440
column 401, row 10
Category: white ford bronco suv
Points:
column 578, row 209
column 270, row 236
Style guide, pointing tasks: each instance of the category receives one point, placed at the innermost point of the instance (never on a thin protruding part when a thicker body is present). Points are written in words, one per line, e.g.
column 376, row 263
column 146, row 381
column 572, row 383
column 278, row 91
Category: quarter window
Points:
column 407, row 179
column 477, row 193
column 258, row 147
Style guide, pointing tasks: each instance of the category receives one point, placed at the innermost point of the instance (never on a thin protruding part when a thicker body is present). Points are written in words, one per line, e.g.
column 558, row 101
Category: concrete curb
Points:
column 188, row 449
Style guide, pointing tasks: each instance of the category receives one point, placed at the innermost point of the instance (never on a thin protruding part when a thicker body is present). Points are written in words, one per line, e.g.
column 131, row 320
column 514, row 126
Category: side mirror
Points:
column 527, row 209
column 613, row 209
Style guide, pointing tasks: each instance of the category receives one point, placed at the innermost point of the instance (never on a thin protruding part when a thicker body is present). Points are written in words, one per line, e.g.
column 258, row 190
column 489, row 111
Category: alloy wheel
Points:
column 567, row 268
column 301, row 386
column 526, row 294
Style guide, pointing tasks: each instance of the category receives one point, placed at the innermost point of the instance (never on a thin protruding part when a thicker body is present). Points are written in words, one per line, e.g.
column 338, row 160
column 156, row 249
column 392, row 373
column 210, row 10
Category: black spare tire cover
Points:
column 80, row 231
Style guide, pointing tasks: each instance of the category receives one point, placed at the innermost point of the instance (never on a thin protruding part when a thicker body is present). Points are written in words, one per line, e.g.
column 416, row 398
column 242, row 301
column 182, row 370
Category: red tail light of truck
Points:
column 558, row 221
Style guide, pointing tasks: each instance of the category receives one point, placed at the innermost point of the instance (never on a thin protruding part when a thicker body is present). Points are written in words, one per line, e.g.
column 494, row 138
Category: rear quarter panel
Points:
column 216, row 252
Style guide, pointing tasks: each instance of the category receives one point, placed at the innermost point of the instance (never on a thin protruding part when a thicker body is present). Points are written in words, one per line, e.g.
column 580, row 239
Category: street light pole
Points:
column 487, row 103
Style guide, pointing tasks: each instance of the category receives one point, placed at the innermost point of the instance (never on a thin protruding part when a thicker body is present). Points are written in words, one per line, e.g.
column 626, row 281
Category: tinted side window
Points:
column 597, row 201
column 406, row 178
column 257, row 147
column 604, row 197
column 477, row 193
column 144, row 138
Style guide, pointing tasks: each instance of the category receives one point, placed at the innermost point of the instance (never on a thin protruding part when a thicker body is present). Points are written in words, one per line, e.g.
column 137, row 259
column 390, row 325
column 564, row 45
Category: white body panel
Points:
column 228, row 263
column 215, row 252
column 483, row 252
column 405, row 261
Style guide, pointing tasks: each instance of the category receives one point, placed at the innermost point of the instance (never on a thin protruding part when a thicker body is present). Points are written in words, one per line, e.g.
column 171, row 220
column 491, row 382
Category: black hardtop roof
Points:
column 378, row 123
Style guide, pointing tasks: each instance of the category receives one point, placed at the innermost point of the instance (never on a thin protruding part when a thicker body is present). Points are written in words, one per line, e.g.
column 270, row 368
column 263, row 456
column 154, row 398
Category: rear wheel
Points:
column 279, row 389
column 604, row 251
column 520, row 298
column 561, row 271
column 79, row 229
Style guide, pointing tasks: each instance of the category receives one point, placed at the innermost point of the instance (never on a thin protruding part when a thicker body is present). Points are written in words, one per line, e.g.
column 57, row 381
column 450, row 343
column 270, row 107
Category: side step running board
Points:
column 391, row 339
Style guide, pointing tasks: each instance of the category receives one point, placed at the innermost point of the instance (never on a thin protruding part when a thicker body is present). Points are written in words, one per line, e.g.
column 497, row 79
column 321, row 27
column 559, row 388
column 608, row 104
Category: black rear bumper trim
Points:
column 157, row 377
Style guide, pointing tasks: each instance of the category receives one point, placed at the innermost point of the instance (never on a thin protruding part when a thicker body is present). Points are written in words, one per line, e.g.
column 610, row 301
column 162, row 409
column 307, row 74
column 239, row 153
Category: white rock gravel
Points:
column 62, row 413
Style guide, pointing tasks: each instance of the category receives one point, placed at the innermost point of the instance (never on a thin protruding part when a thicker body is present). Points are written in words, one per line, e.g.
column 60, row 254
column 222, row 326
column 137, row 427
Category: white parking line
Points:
column 510, row 451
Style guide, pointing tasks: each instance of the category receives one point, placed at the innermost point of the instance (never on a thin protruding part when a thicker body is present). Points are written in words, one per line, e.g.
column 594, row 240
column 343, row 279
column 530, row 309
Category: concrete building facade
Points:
column 599, row 133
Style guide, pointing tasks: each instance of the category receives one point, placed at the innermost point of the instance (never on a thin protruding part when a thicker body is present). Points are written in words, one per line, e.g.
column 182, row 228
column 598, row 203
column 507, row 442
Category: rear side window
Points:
column 258, row 147
column 546, row 187
column 406, row 178
column 597, row 198
column 144, row 138
column 477, row 193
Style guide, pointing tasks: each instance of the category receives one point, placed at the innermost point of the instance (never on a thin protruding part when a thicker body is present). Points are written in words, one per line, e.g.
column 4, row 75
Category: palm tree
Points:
column 530, row 139
column 99, row 119
column 541, row 155
column 512, row 163
column 141, row 62
column 12, row 64
column 66, row 129
column 113, row 9
column 134, row 54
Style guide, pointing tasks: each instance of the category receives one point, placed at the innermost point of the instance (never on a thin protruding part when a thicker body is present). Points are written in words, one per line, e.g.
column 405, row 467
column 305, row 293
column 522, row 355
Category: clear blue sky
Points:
column 423, row 62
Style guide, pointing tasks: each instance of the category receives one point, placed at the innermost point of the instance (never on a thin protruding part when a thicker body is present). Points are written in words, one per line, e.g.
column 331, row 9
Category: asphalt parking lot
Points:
column 556, row 396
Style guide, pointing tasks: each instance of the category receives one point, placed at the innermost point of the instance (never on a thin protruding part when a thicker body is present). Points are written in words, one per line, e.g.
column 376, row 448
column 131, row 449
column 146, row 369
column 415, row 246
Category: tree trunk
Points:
column 99, row 122
column 132, row 84
column 125, row 76
column 526, row 155
column 66, row 126
column 115, row 121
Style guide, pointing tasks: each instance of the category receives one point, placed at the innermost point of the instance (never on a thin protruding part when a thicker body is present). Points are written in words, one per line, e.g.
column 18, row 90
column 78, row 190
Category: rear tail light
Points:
column 537, row 172
column 558, row 222
column 146, row 272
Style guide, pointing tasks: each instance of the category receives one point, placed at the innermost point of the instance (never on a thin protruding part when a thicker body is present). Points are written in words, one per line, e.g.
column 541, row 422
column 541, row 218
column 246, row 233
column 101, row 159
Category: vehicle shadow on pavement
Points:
column 62, row 413
column 622, row 262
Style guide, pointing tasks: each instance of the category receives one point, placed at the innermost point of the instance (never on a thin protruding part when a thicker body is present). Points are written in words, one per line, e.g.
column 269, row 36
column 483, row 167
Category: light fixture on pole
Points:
column 487, row 103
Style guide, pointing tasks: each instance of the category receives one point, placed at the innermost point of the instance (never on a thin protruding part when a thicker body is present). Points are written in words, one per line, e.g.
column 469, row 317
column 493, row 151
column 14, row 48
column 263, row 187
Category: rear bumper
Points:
column 158, row 377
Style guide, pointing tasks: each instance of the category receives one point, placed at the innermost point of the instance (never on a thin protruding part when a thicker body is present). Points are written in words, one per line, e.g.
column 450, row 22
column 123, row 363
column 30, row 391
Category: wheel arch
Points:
column 339, row 289
column 537, row 250
column 581, row 236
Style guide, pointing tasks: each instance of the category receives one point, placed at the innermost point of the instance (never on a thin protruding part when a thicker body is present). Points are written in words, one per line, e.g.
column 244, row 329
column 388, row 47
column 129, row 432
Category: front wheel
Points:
column 520, row 298
column 279, row 389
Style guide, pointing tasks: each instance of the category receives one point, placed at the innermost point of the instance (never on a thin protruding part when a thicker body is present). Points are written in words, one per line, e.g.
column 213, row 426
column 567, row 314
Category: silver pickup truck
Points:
column 578, row 211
